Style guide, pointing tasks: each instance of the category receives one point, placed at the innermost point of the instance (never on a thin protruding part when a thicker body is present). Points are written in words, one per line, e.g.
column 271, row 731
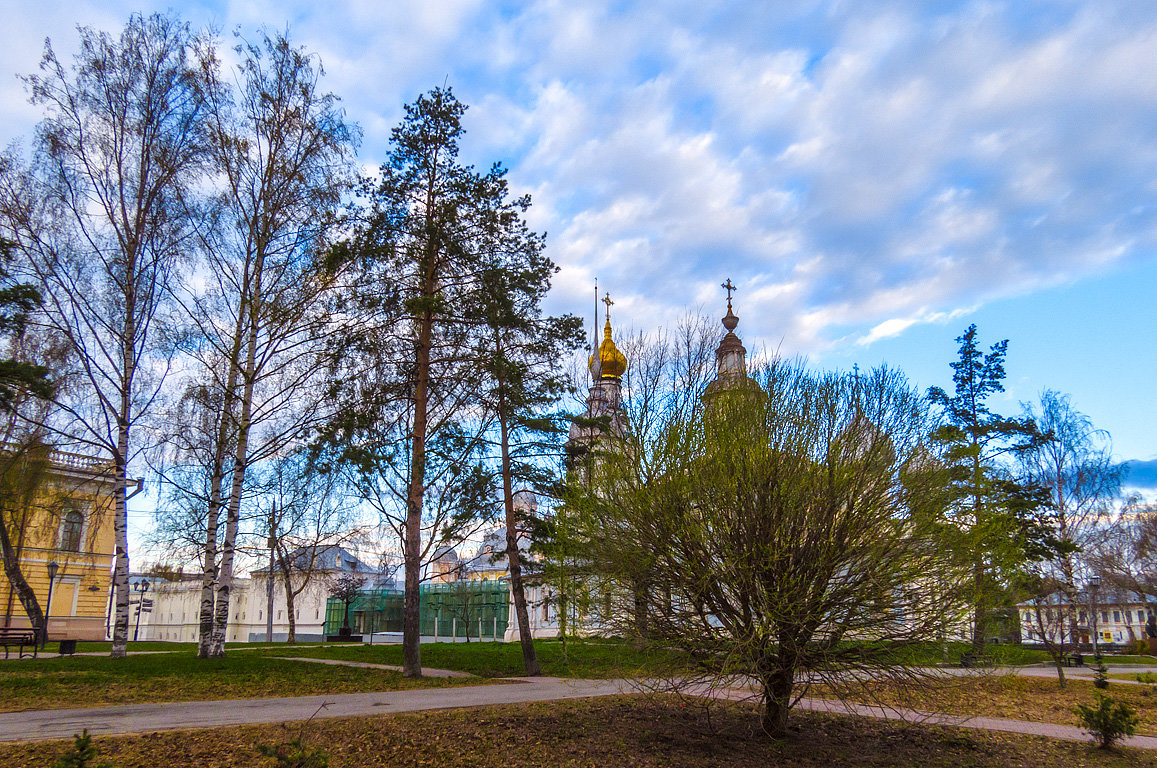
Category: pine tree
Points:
column 407, row 375
column 996, row 517
column 521, row 356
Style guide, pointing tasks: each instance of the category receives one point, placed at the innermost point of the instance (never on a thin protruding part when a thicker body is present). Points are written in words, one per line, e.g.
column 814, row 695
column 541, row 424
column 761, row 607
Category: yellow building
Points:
column 67, row 520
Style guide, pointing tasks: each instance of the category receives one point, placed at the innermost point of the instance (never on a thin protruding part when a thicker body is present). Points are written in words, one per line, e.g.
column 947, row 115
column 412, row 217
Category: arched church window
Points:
column 70, row 531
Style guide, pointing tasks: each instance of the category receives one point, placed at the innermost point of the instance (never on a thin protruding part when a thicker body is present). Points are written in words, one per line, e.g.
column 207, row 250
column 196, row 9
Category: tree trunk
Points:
column 639, row 624
column 980, row 619
column 513, row 557
column 777, row 688
column 240, row 462
column 120, row 635
column 208, row 582
column 979, row 616
column 411, row 637
column 290, row 595
column 216, row 478
column 16, row 578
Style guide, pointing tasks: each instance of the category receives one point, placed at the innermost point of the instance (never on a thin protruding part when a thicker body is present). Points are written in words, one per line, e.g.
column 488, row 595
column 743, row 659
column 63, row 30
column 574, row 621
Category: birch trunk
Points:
column 217, row 473
column 240, row 464
column 120, row 635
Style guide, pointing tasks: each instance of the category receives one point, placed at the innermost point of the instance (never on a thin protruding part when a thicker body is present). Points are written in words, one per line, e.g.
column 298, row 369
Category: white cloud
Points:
column 856, row 169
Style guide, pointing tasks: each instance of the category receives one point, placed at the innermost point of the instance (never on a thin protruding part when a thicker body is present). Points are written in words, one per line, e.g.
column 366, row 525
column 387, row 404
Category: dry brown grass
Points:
column 1038, row 700
column 599, row 733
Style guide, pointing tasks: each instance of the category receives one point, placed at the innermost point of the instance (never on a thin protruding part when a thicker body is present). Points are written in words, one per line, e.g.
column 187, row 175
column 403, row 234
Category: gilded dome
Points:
column 610, row 363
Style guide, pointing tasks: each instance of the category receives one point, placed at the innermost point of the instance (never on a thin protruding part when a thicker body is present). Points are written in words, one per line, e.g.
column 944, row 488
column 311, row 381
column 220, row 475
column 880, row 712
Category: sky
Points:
column 873, row 177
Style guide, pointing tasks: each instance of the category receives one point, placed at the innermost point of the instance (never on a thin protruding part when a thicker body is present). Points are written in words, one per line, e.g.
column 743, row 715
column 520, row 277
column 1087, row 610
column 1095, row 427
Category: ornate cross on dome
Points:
column 607, row 300
column 729, row 287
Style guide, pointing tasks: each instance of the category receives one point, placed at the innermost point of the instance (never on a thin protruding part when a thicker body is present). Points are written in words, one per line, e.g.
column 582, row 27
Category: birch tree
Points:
column 283, row 151
column 1073, row 460
column 102, row 222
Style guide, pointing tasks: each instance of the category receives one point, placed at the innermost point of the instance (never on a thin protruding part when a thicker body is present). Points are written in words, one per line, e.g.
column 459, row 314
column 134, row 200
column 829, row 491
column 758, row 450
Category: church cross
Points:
column 729, row 288
column 607, row 300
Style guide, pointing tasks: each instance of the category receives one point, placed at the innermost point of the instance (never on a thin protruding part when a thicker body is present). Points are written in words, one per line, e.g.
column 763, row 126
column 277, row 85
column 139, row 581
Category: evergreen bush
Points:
column 294, row 754
column 1108, row 721
column 82, row 754
column 1100, row 675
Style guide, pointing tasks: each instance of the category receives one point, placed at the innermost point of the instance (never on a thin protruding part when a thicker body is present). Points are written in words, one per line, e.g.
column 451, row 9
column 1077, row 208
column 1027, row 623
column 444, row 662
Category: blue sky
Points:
column 873, row 176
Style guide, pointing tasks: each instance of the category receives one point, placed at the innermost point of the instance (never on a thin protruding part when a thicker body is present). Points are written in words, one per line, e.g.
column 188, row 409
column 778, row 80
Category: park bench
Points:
column 12, row 636
column 1073, row 660
column 973, row 660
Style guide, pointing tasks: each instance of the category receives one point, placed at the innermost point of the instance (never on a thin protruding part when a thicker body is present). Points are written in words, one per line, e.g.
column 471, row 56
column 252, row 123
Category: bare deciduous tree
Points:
column 102, row 222
column 309, row 515
column 283, row 151
column 789, row 534
column 1074, row 462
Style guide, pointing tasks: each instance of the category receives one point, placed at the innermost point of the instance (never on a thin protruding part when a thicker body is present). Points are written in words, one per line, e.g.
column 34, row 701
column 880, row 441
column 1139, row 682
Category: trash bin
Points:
column 67, row 647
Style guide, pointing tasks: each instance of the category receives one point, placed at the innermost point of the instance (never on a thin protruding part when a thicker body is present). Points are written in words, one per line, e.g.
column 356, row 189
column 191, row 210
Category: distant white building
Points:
column 176, row 605
column 1117, row 618
column 489, row 563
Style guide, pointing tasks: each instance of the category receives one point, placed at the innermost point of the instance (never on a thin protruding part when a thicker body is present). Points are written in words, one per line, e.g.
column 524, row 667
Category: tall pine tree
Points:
column 996, row 522
column 521, row 357
column 407, row 376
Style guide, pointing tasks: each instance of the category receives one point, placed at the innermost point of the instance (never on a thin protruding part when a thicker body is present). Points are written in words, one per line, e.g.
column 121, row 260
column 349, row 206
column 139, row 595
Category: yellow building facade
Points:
column 68, row 520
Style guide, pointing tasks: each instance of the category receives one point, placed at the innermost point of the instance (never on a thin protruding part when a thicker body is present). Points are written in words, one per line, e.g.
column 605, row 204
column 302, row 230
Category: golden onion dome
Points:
column 610, row 363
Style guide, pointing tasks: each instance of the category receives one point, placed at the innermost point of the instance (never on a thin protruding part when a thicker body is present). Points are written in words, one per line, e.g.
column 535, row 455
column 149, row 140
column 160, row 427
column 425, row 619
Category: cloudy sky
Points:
column 873, row 176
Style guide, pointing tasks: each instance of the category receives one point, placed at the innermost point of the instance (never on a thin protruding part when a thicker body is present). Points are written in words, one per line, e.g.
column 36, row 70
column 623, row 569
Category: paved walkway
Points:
column 1085, row 673
column 1067, row 732
column 426, row 671
column 145, row 718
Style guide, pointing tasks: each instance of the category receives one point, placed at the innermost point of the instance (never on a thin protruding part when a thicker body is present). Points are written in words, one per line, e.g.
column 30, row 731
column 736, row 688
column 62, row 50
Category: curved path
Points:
column 145, row 718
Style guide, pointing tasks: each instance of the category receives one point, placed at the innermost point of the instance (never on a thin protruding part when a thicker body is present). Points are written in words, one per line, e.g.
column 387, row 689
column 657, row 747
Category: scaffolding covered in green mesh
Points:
column 456, row 609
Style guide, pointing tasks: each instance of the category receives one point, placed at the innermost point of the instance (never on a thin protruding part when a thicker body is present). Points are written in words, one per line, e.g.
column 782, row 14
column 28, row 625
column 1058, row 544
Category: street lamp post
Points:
column 1094, row 585
column 52, row 567
column 140, row 607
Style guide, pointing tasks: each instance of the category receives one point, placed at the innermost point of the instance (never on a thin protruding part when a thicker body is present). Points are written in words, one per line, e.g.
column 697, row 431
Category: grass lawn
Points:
column 1034, row 699
column 160, row 645
column 1125, row 659
column 585, row 658
column 90, row 681
column 594, row 733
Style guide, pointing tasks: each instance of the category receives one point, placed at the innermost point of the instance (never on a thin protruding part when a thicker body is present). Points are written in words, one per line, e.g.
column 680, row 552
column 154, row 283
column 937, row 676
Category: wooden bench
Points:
column 975, row 661
column 1073, row 660
column 11, row 636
